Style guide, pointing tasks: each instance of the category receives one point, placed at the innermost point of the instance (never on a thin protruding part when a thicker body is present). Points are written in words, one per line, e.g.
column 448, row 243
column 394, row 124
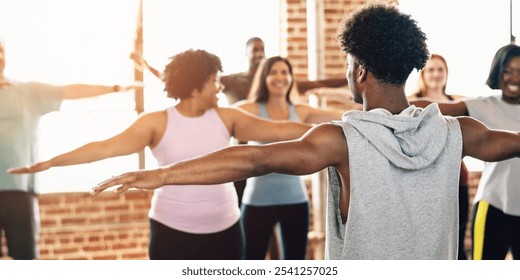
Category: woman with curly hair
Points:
column 187, row 222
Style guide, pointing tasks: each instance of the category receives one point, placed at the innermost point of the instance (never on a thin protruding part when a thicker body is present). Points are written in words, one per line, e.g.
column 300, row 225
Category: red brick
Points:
column 106, row 257
column 73, row 221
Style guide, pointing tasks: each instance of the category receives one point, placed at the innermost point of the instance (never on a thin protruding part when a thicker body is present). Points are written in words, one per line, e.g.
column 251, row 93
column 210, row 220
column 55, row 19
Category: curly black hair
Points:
column 385, row 41
column 189, row 70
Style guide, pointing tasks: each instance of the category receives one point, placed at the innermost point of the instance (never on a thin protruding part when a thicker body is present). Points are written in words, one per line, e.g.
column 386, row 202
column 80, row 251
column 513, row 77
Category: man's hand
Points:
column 138, row 59
column 141, row 64
column 145, row 179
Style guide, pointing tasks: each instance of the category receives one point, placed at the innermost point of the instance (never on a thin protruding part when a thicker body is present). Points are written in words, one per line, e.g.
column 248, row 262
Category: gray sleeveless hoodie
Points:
column 404, row 175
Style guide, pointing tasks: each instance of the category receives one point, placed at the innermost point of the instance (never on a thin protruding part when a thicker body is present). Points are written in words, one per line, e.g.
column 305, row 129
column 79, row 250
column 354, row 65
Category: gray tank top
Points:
column 275, row 188
column 403, row 188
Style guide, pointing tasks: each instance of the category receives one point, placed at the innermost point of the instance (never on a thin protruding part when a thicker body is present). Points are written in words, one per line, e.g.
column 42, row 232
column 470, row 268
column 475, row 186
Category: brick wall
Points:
column 107, row 226
column 295, row 33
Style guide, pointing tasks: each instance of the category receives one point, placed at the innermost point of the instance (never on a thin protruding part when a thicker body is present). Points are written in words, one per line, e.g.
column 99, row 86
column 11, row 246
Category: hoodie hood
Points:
column 410, row 140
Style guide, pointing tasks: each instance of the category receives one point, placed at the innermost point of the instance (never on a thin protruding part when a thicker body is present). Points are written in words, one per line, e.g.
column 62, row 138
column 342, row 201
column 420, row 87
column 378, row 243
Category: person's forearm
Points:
column 227, row 165
column 88, row 153
column 420, row 103
column 253, row 128
column 91, row 152
column 486, row 144
column 282, row 131
column 154, row 71
column 76, row 91
column 291, row 130
column 304, row 86
column 502, row 145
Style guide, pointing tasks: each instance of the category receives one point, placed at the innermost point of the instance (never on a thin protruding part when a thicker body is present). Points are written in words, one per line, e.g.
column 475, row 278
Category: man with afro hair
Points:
column 393, row 167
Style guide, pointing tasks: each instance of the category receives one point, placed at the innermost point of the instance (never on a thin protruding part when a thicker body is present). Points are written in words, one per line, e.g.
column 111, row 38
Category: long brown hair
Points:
column 259, row 91
column 421, row 85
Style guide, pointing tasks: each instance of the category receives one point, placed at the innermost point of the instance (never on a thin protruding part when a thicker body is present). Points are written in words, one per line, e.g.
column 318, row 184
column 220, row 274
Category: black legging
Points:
column 20, row 221
column 259, row 221
column 169, row 244
column 494, row 233
column 463, row 220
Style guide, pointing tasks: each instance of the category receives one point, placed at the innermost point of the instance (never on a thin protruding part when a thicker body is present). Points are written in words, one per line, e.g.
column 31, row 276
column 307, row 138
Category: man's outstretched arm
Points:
column 449, row 108
column 487, row 144
column 324, row 145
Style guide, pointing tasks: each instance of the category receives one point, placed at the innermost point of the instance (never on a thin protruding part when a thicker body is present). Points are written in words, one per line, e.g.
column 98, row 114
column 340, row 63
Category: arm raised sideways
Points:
column 77, row 91
column 133, row 139
column 247, row 127
column 487, row 144
column 451, row 108
column 324, row 145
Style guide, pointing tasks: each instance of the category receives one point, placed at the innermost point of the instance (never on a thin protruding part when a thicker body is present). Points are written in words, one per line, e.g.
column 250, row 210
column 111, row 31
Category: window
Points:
column 220, row 27
column 89, row 41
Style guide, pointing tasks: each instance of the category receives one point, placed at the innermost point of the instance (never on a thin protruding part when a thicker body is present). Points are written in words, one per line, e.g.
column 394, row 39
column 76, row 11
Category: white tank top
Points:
column 193, row 208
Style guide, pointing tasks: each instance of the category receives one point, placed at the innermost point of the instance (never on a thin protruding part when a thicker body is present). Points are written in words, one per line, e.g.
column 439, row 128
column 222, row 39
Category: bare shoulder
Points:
column 473, row 131
column 230, row 114
column 328, row 140
column 153, row 120
column 467, row 122
column 250, row 106
column 153, row 116
column 154, row 124
column 226, row 111
column 329, row 129
column 326, row 134
column 245, row 104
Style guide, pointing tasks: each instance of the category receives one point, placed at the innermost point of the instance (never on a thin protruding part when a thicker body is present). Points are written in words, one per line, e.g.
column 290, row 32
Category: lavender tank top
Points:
column 193, row 208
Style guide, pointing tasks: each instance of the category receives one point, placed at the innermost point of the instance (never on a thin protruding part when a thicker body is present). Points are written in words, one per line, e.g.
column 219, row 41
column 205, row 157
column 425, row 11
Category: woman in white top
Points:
column 496, row 212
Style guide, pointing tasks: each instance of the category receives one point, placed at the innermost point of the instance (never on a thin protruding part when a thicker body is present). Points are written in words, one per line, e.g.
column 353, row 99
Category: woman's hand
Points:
column 37, row 167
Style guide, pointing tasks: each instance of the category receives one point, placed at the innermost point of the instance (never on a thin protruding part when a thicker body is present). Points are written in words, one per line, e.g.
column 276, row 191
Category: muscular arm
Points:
column 304, row 86
column 324, row 145
column 315, row 115
column 488, row 145
column 453, row 108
